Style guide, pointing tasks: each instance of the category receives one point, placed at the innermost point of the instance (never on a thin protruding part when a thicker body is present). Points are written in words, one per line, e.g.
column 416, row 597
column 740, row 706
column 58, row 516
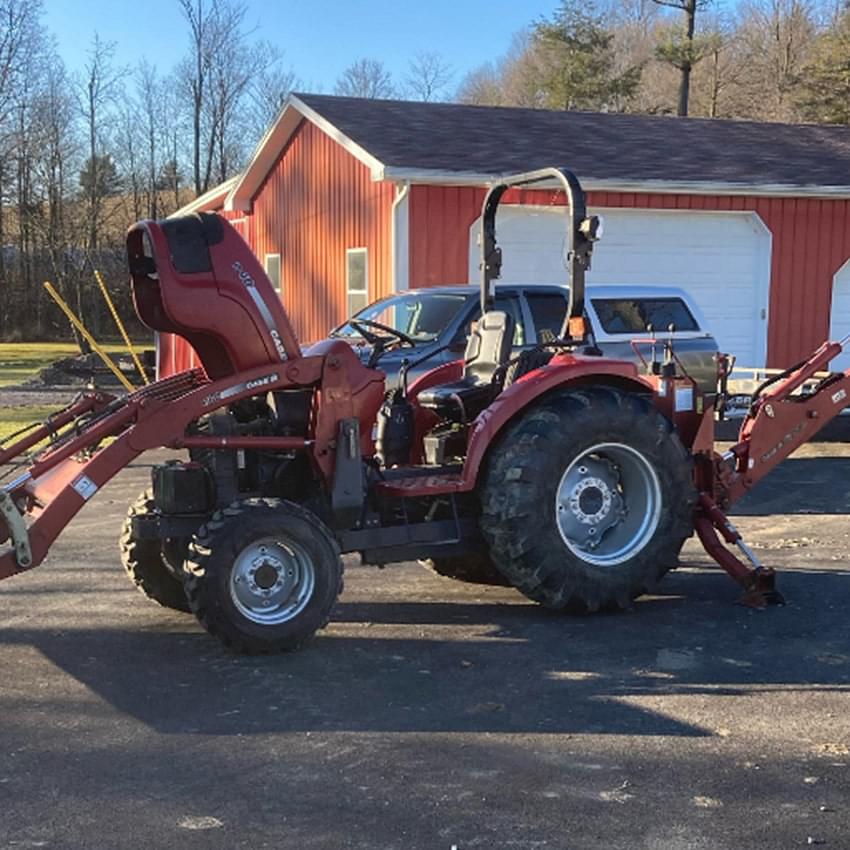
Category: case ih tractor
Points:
column 572, row 477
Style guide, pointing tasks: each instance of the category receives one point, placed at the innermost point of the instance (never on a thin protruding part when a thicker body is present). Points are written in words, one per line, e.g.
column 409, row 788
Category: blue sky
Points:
column 320, row 38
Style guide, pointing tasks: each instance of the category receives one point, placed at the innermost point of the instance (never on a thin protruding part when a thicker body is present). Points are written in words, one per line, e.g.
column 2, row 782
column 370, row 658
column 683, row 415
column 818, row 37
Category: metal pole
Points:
column 109, row 303
column 87, row 336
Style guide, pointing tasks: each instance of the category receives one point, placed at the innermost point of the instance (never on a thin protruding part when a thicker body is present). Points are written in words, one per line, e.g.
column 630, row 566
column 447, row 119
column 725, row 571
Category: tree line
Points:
column 83, row 154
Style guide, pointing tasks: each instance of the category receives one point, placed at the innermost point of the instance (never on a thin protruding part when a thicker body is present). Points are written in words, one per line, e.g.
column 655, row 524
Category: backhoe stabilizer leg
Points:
column 757, row 580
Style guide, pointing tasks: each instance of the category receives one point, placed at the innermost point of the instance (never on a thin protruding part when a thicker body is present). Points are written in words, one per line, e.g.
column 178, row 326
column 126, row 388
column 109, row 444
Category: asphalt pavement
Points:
column 432, row 714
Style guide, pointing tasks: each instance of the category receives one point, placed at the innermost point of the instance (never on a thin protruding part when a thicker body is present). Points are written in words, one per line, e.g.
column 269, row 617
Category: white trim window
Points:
column 272, row 266
column 357, row 279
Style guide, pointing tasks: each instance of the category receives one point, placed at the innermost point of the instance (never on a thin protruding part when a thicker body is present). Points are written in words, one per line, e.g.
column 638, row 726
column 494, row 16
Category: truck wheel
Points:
column 263, row 575
column 473, row 569
column 146, row 564
column 587, row 499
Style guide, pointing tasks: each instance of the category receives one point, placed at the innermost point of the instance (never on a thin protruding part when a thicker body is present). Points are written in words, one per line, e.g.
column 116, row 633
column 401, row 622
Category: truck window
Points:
column 548, row 310
column 634, row 315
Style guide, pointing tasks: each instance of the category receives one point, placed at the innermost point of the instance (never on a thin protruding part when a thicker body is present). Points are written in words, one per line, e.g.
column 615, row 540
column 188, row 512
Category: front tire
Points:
column 587, row 499
column 263, row 575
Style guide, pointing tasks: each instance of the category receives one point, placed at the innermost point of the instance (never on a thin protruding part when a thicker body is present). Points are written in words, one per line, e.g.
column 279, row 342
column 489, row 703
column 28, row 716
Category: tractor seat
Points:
column 488, row 349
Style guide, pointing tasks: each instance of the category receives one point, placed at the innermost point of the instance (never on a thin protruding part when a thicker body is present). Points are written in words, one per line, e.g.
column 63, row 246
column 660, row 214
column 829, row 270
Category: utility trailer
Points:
column 573, row 477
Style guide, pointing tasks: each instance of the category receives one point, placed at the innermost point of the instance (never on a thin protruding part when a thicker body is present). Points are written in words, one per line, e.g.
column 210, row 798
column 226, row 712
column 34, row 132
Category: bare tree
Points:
column 201, row 17
column 235, row 68
column 270, row 86
column 218, row 76
column 511, row 80
column 149, row 106
column 775, row 41
column 57, row 149
column 97, row 90
column 482, row 87
column 173, row 133
column 427, row 77
column 20, row 43
column 365, row 78
column 133, row 166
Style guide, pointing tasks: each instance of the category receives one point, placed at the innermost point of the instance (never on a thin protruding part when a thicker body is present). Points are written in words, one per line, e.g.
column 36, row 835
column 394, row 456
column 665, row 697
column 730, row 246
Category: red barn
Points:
column 347, row 200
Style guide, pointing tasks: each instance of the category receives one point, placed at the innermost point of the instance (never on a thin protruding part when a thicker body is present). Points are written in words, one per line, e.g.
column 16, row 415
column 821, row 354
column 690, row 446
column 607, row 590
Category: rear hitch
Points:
column 757, row 581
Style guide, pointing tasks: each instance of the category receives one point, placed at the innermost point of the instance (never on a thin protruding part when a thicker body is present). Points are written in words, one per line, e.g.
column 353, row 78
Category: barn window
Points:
column 356, row 279
column 273, row 271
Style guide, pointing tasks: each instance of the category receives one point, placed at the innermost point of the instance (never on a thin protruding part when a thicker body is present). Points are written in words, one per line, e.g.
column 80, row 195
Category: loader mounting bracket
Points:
column 17, row 530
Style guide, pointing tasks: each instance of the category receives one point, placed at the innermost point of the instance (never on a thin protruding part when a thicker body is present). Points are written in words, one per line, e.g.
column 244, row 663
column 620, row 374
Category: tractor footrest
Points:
column 421, row 485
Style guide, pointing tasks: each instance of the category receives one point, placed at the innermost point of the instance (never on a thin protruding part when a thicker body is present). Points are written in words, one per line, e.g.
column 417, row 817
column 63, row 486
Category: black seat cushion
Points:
column 488, row 348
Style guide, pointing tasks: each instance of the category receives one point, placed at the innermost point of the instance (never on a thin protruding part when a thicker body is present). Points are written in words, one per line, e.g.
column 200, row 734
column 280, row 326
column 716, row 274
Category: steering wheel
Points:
column 401, row 336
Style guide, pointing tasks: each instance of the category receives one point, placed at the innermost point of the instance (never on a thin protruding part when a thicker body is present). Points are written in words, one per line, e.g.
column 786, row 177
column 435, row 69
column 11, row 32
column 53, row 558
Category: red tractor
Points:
column 572, row 477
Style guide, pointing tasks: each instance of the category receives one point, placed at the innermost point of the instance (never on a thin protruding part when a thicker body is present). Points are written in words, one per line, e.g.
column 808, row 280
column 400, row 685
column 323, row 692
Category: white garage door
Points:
column 721, row 259
column 839, row 317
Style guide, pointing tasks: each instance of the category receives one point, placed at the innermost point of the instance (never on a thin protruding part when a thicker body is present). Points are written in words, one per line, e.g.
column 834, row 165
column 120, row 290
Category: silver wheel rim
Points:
column 272, row 581
column 608, row 504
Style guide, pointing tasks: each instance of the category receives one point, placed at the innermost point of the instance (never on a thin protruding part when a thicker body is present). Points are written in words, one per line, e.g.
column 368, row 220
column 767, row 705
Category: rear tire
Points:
column 263, row 575
column 145, row 561
column 587, row 500
column 474, row 568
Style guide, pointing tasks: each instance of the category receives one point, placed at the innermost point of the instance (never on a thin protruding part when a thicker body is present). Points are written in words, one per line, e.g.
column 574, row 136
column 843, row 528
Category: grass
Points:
column 14, row 418
column 22, row 360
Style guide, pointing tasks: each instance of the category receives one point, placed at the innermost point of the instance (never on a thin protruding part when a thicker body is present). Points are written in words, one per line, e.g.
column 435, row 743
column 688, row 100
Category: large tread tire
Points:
column 144, row 562
column 213, row 555
column 474, row 568
column 521, row 481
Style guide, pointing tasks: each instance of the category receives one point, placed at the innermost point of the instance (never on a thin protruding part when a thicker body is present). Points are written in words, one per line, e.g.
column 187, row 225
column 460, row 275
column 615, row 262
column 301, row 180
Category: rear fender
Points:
column 563, row 372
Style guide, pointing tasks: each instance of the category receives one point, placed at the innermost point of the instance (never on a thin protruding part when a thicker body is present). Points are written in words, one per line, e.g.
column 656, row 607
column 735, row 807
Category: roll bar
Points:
column 582, row 232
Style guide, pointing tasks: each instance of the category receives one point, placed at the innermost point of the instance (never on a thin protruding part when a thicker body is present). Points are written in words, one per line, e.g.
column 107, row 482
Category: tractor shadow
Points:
column 474, row 660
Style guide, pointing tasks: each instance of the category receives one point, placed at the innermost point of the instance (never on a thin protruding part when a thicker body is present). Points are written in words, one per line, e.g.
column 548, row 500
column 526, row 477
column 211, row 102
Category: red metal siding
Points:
column 811, row 241
column 317, row 202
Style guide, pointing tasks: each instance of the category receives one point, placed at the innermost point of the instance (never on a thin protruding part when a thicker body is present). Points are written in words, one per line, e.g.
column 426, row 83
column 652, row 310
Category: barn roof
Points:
column 459, row 144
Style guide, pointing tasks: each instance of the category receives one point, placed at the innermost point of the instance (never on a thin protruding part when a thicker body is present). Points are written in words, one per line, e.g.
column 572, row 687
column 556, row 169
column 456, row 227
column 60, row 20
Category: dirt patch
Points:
column 59, row 382
column 84, row 369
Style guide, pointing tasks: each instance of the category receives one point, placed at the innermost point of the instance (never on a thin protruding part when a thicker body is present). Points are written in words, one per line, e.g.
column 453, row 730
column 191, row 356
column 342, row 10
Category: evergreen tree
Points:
column 576, row 62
